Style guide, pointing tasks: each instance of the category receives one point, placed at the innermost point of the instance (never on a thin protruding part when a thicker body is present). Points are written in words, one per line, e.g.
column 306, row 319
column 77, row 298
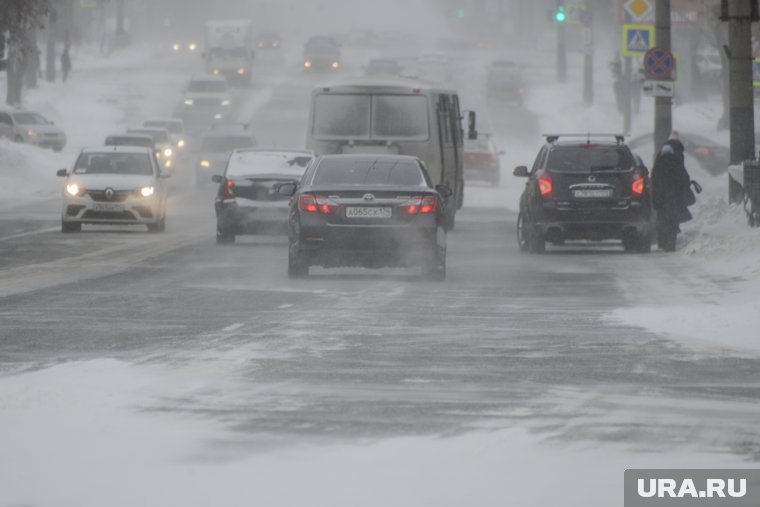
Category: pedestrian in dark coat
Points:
column 65, row 63
column 670, row 185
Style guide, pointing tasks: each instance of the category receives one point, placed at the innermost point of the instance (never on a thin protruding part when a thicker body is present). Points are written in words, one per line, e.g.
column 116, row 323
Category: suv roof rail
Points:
column 620, row 138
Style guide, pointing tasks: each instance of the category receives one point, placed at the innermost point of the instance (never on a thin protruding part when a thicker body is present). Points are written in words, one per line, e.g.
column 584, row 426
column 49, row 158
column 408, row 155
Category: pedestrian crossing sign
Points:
column 637, row 39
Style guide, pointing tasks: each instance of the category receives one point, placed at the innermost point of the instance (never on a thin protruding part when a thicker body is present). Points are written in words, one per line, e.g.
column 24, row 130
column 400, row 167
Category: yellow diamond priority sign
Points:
column 638, row 9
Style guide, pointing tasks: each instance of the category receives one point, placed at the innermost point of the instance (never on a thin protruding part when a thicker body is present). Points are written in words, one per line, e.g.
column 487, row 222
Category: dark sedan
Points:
column 368, row 211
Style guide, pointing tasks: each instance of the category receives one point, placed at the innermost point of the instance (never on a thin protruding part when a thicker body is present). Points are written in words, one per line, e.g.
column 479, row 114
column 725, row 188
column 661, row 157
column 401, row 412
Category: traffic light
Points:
column 461, row 12
column 560, row 15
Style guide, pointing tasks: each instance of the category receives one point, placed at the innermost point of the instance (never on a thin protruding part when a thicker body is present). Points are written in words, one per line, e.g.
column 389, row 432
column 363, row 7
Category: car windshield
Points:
column 174, row 127
column 221, row 144
column 159, row 136
column 30, row 119
column 207, row 87
column 383, row 117
column 251, row 164
column 114, row 163
column 145, row 142
column 590, row 158
column 352, row 172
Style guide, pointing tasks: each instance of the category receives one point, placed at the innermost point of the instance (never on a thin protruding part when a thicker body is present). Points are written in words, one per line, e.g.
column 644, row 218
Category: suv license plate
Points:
column 369, row 212
column 593, row 193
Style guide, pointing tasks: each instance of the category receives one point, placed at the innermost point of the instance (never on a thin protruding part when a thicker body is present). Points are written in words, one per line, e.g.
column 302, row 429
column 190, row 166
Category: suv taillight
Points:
column 421, row 205
column 317, row 204
column 638, row 185
column 545, row 184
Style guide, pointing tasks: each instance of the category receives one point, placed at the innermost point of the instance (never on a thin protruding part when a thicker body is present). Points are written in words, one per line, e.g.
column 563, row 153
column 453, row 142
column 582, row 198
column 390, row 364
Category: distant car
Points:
column 174, row 126
column 206, row 98
column 591, row 189
column 142, row 140
column 31, row 128
column 711, row 155
column 434, row 66
column 165, row 150
column 121, row 185
column 383, row 67
column 321, row 53
column 504, row 81
column 268, row 40
column 216, row 147
column 248, row 201
column 367, row 210
column 481, row 160
column 185, row 46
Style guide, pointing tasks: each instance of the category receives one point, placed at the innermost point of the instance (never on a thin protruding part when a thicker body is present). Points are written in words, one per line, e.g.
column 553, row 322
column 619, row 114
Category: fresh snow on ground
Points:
column 89, row 429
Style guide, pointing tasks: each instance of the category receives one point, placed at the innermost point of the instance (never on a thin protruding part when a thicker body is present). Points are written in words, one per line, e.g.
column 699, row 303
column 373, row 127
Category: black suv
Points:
column 588, row 190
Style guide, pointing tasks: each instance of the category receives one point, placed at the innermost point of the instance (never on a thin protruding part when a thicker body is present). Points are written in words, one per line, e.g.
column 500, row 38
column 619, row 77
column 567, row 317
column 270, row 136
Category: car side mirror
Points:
column 444, row 191
column 217, row 178
column 521, row 171
column 62, row 173
column 287, row 189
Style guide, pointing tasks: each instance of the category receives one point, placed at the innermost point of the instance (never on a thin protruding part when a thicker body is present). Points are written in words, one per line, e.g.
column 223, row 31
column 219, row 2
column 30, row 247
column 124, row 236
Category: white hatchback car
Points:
column 121, row 185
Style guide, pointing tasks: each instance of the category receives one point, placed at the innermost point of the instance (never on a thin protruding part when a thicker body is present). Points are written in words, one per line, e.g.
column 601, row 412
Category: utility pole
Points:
column 588, row 56
column 740, row 14
column 663, row 115
column 560, row 18
column 627, row 76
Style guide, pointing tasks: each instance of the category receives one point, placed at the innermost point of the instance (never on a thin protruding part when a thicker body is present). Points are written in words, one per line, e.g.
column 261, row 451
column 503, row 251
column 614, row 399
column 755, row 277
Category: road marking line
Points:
column 234, row 327
column 30, row 233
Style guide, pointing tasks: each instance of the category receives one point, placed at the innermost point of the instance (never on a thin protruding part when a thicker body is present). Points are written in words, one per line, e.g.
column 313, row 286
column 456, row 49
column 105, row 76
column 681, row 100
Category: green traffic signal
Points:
column 460, row 13
column 560, row 15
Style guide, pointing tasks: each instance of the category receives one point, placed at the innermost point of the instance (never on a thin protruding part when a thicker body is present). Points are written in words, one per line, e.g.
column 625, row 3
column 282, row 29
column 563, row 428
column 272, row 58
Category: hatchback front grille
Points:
column 100, row 196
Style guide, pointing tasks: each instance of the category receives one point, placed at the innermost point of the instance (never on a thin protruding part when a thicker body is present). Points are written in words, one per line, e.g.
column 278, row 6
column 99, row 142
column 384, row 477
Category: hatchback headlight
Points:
column 168, row 152
column 181, row 143
column 73, row 189
column 189, row 102
column 205, row 164
column 193, row 46
column 176, row 47
column 147, row 191
column 307, row 64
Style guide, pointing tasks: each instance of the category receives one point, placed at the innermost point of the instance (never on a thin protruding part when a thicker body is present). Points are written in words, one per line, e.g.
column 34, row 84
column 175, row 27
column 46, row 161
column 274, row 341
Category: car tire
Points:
column 536, row 242
column 69, row 227
column 298, row 264
column 224, row 236
column 434, row 267
column 522, row 233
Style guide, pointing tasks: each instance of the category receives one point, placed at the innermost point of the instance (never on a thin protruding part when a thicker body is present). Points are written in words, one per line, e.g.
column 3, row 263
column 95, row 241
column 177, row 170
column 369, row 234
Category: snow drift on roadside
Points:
column 28, row 172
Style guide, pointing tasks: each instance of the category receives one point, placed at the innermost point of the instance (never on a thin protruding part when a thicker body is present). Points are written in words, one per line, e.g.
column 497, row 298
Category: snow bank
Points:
column 97, row 433
column 27, row 172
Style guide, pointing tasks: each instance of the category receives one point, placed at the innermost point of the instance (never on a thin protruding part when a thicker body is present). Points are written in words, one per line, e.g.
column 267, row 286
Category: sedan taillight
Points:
column 317, row 204
column 420, row 205
column 226, row 189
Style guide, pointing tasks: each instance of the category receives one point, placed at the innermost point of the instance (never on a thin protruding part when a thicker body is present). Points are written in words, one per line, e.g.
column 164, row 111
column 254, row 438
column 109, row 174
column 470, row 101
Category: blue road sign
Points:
column 637, row 39
column 659, row 63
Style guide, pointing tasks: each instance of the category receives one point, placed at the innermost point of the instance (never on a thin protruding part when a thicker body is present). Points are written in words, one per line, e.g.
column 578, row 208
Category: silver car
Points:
column 31, row 128
column 114, row 185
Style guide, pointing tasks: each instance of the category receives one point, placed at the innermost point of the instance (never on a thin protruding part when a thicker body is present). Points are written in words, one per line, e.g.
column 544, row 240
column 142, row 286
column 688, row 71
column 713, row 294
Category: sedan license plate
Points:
column 107, row 207
column 369, row 212
column 593, row 193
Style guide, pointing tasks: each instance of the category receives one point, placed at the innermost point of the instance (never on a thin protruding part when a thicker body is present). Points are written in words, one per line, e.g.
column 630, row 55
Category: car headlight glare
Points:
column 216, row 72
column 307, row 64
column 205, row 164
column 147, row 191
column 31, row 133
column 189, row 102
column 181, row 143
column 193, row 46
column 241, row 72
column 225, row 102
column 72, row 189
column 168, row 152
column 176, row 47
column 168, row 164
column 260, row 44
column 335, row 65
column 275, row 44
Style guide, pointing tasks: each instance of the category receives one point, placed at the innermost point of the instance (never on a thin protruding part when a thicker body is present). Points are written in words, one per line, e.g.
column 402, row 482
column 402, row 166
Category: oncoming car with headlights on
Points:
column 369, row 211
column 165, row 150
column 248, row 201
column 120, row 185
